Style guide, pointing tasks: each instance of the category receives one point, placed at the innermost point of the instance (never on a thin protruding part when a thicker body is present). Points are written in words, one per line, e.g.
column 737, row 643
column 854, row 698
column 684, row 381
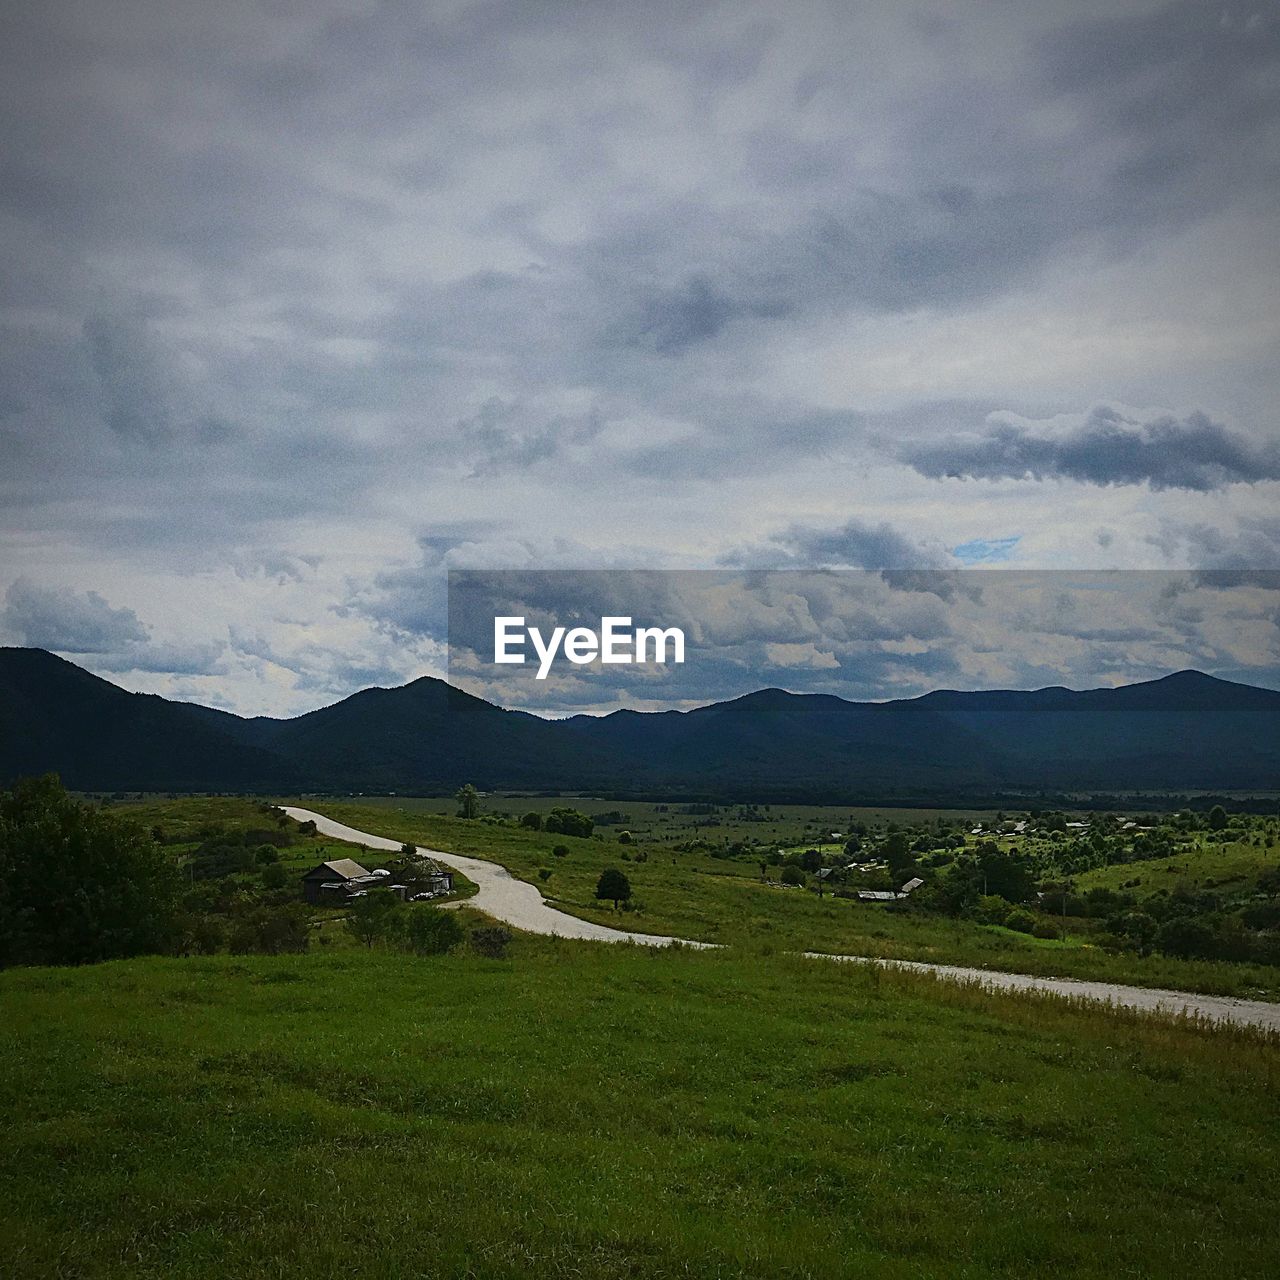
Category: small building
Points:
column 320, row 883
column 339, row 881
column 912, row 885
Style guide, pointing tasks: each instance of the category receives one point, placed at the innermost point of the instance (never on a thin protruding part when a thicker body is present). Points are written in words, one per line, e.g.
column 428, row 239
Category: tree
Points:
column 532, row 820
column 374, row 916
column 274, row 876
column 625, row 837
column 811, row 860
column 1217, row 818
column 568, row 822
column 1186, row 938
column 77, row 884
column 1003, row 873
column 468, row 799
column 792, row 875
column 1135, row 929
column 431, row 932
column 408, row 850
column 613, row 884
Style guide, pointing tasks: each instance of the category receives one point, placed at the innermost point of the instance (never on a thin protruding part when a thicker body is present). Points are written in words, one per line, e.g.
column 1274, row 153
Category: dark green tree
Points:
column 1217, row 818
column 77, row 884
column 532, row 820
column 613, row 885
column 568, row 822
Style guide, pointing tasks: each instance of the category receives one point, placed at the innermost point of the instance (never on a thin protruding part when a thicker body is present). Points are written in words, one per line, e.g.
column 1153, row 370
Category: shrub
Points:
column 274, row 876
column 272, row 931
column 992, row 909
column 568, row 822
column 1046, row 929
column 531, row 820
column 544, row 874
column 375, row 917
column 792, row 875
column 1185, row 938
column 560, row 851
column 491, row 941
column 1022, row 921
column 624, row 837
column 432, row 932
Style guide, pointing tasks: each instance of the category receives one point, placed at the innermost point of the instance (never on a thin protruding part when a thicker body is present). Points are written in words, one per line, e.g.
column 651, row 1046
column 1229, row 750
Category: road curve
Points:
column 514, row 902
column 519, row 904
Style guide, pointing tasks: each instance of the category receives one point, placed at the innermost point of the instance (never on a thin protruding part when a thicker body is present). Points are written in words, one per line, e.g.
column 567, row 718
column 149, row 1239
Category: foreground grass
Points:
column 698, row 897
column 590, row 1111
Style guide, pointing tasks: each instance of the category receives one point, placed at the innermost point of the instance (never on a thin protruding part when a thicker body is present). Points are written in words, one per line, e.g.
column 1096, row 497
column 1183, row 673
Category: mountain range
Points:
column 1187, row 731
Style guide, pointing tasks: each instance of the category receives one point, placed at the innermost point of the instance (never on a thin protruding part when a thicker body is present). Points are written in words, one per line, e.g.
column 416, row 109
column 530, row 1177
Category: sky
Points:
column 304, row 304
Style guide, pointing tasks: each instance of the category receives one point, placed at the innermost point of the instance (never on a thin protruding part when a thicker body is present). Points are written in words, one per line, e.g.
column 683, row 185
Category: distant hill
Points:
column 1186, row 731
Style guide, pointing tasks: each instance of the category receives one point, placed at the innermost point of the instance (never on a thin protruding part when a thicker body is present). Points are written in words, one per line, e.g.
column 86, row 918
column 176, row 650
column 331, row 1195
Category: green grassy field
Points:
column 670, row 822
column 591, row 1111
column 1232, row 868
column 711, row 900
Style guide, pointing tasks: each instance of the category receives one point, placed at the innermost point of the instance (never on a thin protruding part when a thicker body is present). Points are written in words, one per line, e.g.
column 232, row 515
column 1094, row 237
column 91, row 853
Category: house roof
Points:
column 340, row 868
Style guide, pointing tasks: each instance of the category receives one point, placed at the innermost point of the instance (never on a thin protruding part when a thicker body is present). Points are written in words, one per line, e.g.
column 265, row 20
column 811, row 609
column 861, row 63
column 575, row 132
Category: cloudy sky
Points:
column 305, row 302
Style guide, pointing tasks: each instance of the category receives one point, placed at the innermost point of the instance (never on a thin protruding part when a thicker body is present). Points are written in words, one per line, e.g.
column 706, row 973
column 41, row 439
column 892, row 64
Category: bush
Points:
column 1185, row 938
column 532, row 821
column 491, row 941
column 560, row 851
column 792, row 875
column 432, row 932
column 375, row 917
column 992, row 909
column 1022, row 921
column 1046, row 929
column 624, row 837
column 568, row 822
column 272, row 931
column 274, row 876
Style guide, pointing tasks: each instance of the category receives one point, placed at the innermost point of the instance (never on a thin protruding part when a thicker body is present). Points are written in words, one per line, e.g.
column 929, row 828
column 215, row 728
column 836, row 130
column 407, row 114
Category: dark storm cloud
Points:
column 69, row 621
column 1107, row 449
column 852, row 545
column 143, row 397
column 290, row 275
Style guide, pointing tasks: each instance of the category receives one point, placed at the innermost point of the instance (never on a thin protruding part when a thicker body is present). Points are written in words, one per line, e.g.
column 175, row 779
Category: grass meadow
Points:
column 707, row 899
column 590, row 1111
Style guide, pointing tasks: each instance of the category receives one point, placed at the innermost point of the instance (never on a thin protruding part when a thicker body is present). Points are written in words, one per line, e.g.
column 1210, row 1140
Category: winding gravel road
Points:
column 519, row 904
column 514, row 902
